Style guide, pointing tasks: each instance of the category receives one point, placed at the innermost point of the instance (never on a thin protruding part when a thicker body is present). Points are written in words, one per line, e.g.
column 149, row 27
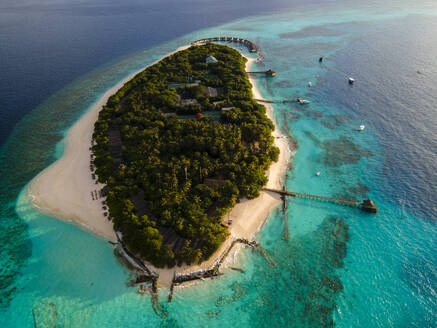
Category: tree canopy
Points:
column 173, row 178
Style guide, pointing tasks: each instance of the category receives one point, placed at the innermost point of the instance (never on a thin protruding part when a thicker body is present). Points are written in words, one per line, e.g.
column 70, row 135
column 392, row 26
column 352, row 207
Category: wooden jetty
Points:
column 137, row 263
column 285, row 232
column 278, row 101
column 284, row 199
column 252, row 47
column 266, row 73
column 170, row 295
column 366, row 206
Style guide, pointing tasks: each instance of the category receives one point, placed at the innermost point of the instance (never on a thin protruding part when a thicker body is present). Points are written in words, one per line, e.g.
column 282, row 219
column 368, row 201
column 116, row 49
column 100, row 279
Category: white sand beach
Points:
column 65, row 189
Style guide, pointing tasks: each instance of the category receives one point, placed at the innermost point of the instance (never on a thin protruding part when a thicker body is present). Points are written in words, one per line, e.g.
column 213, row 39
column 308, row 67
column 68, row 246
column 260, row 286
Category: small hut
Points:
column 251, row 46
column 368, row 206
column 270, row 73
column 211, row 92
column 211, row 60
column 216, row 103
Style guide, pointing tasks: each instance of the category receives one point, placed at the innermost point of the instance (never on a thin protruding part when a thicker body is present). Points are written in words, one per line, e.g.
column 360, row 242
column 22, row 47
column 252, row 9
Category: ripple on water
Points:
column 421, row 276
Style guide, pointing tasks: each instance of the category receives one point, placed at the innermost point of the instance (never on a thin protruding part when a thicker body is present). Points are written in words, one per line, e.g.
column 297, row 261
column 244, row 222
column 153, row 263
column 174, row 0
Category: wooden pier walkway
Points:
column 252, row 47
column 269, row 72
column 285, row 231
column 279, row 101
column 367, row 205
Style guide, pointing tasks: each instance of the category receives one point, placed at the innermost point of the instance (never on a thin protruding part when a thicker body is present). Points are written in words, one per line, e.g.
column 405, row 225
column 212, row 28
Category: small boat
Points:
column 361, row 128
column 302, row 101
column 310, row 84
column 318, row 173
column 351, row 80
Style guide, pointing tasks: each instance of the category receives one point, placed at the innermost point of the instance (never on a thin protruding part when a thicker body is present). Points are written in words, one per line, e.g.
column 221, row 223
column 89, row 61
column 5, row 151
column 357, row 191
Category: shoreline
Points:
column 64, row 190
column 68, row 180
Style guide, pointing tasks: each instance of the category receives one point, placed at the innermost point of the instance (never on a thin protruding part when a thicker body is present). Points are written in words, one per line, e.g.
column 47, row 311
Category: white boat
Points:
column 361, row 128
column 310, row 84
column 318, row 173
column 302, row 101
column 351, row 80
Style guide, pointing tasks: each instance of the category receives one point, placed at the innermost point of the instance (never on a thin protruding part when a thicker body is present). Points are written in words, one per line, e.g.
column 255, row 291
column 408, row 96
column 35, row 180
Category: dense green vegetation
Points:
column 172, row 180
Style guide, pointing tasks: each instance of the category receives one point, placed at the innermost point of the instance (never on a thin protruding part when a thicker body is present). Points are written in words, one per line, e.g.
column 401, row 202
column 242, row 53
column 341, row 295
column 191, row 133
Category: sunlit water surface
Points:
column 340, row 266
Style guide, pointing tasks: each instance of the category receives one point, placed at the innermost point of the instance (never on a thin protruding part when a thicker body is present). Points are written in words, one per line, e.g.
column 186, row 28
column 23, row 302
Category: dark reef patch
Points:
column 20, row 162
column 302, row 291
column 283, row 84
column 314, row 114
column 355, row 193
column 243, row 28
column 292, row 116
column 238, row 290
column 317, row 256
column 169, row 323
column 313, row 138
column 298, row 108
column 334, row 121
column 311, row 31
column 342, row 151
column 359, row 190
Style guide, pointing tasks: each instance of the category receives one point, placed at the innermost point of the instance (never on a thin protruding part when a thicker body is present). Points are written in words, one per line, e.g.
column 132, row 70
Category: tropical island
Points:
column 209, row 125
column 177, row 147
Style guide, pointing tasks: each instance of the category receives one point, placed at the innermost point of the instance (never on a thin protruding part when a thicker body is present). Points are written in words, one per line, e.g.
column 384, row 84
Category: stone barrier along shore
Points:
column 148, row 275
column 214, row 270
column 152, row 277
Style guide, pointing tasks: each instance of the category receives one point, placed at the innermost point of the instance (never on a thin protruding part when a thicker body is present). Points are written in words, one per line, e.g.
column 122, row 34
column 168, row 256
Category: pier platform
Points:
column 366, row 206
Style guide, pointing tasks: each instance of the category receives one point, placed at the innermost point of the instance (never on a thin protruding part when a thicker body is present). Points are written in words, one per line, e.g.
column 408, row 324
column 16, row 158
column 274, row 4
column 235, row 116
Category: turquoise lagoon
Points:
column 340, row 267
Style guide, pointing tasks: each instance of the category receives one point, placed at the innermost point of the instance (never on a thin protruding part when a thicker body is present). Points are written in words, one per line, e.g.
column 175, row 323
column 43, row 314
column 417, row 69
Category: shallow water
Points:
column 340, row 266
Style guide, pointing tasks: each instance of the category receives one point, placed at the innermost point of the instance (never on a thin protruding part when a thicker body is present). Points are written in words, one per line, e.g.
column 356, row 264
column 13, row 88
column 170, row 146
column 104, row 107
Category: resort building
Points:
column 270, row 73
column 211, row 59
column 216, row 103
column 187, row 102
column 211, row 92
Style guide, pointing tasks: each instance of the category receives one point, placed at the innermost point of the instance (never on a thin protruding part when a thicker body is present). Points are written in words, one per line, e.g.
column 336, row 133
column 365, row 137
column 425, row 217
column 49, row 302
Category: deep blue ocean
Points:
column 340, row 267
